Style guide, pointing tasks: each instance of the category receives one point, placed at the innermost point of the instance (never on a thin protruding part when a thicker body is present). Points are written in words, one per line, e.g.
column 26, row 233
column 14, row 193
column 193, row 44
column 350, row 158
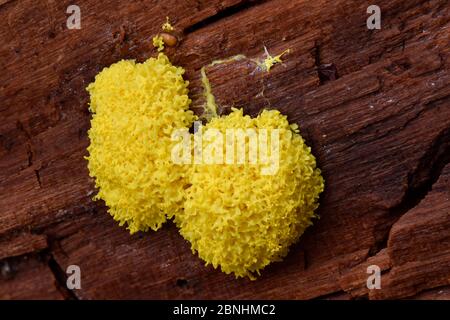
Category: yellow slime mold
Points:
column 136, row 107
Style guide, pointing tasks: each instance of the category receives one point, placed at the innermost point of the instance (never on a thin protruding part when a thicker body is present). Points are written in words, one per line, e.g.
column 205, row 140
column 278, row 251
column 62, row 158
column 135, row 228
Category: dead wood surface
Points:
column 374, row 106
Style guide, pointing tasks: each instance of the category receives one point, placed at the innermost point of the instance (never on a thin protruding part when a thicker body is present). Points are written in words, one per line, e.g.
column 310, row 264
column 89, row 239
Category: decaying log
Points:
column 373, row 104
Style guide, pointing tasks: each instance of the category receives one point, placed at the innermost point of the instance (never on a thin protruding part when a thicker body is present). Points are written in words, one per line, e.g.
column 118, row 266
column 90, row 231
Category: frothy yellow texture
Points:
column 136, row 107
column 241, row 220
column 234, row 216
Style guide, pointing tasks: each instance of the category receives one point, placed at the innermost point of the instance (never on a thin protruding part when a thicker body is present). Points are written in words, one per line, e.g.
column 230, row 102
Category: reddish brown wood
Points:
column 442, row 293
column 28, row 278
column 374, row 106
column 21, row 244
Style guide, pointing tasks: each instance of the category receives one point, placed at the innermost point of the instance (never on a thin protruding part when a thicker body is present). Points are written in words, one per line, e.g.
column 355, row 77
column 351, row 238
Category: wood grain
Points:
column 374, row 106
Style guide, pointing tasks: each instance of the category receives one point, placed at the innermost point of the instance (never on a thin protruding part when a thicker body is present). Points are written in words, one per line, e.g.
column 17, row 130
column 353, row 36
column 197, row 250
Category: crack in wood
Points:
column 29, row 148
column 59, row 275
column 223, row 14
column 325, row 71
column 9, row 269
column 38, row 178
column 420, row 183
column 3, row 3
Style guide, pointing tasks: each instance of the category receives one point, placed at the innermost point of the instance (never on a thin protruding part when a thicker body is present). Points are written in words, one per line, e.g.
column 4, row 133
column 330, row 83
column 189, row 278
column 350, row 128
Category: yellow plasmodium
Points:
column 158, row 43
column 135, row 108
column 270, row 61
column 167, row 26
column 241, row 220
